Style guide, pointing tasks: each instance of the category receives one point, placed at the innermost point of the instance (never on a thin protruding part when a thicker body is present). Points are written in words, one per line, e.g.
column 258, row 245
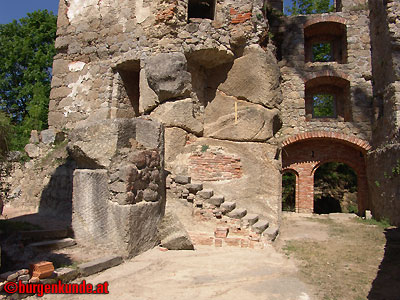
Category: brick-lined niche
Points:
column 325, row 41
column 203, row 9
column 326, row 98
column 213, row 164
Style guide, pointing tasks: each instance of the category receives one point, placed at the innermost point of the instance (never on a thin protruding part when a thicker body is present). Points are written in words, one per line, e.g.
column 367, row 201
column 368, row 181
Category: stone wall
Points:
column 207, row 80
column 354, row 70
column 119, row 186
column 384, row 160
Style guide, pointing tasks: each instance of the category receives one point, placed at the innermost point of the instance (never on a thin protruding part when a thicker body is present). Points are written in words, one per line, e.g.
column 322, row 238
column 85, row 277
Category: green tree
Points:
column 305, row 7
column 26, row 57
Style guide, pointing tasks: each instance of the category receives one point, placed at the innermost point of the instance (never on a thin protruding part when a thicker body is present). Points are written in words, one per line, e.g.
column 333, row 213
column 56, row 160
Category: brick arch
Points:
column 305, row 152
column 351, row 140
column 332, row 75
column 321, row 19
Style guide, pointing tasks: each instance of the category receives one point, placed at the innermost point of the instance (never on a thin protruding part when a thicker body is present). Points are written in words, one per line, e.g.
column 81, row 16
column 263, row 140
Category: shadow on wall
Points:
column 387, row 282
column 56, row 198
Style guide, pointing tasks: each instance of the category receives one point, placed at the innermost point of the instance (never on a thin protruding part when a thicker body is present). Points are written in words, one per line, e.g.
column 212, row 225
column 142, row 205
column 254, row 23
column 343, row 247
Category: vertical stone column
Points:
column 305, row 201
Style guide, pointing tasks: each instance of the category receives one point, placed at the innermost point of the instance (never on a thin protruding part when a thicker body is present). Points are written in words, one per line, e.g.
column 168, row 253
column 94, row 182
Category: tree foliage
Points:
column 26, row 57
column 305, row 7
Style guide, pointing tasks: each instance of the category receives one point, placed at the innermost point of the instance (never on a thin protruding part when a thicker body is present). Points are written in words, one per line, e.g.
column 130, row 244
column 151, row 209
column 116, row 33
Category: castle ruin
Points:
column 235, row 85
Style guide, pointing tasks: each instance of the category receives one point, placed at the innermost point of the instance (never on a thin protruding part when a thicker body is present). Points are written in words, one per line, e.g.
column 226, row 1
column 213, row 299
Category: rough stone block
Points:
column 237, row 213
column 167, row 75
column 24, row 277
column 216, row 200
column 260, row 226
column 173, row 234
column 249, row 220
column 99, row 265
column 271, row 233
column 194, row 187
column 32, row 150
column 182, row 179
column 205, row 194
column 48, row 136
column 66, row 274
column 9, row 276
column 55, row 244
column 368, row 215
column 227, row 207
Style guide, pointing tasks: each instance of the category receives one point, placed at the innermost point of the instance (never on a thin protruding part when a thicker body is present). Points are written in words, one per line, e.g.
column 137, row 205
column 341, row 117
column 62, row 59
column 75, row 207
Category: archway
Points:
column 305, row 152
column 335, row 188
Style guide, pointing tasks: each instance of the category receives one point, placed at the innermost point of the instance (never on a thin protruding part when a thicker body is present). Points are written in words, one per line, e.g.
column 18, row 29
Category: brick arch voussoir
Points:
column 321, row 19
column 360, row 170
column 357, row 143
column 326, row 73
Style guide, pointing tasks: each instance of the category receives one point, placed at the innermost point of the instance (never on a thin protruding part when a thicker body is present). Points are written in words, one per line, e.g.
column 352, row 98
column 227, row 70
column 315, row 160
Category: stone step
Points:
column 271, row 233
column 99, row 265
column 53, row 244
column 260, row 226
column 182, row 179
column 194, row 188
column 216, row 200
column 249, row 220
column 42, row 235
column 205, row 194
column 237, row 213
column 227, row 207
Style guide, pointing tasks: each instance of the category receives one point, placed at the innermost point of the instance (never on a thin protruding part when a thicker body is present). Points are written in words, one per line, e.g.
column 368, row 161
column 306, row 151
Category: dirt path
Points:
column 207, row 273
column 330, row 257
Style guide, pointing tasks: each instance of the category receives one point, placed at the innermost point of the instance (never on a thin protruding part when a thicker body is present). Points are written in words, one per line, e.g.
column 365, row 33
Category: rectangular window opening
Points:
column 324, row 106
column 322, row 52
column 203, row 9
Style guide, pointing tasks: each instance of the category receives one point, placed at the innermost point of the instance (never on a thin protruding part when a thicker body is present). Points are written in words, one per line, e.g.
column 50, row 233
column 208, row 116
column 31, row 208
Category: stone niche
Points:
column 119, row 186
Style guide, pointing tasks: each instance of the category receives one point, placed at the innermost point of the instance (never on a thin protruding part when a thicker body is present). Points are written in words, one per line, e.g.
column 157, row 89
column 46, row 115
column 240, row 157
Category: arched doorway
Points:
column 335, row 188
column 305, row 152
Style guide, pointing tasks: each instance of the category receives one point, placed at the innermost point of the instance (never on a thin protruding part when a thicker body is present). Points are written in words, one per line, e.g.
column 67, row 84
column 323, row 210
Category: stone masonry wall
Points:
column 356, row 69
column 208, row 81
column 384, row 160
column 119, row 186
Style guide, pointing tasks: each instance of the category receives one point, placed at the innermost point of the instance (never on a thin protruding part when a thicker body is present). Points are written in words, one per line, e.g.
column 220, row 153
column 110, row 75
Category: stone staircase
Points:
column 234, row 225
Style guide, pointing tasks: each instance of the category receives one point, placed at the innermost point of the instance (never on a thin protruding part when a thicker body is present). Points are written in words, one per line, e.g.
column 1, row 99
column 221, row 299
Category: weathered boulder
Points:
column 32, row 150
column 167, row 75
column 178, row 114
column 94, row 146
column 48, row 136
column 255, row 77
column 173, row 234
column 254, row 122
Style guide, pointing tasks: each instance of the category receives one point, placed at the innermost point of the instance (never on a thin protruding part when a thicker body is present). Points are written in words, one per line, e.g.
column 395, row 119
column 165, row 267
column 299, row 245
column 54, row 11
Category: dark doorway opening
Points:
column 335, row 189
column 203, row 9
column 289, row 192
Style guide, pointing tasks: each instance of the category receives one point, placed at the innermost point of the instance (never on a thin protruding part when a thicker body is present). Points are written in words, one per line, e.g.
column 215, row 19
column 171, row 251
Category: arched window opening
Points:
column 335, row 189
column 203, row 9
column 289, row 192
column 326, row 42
column 328, row 98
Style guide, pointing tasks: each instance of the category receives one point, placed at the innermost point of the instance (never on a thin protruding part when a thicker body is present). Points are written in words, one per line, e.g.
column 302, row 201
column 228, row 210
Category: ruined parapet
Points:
column 119, row 186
